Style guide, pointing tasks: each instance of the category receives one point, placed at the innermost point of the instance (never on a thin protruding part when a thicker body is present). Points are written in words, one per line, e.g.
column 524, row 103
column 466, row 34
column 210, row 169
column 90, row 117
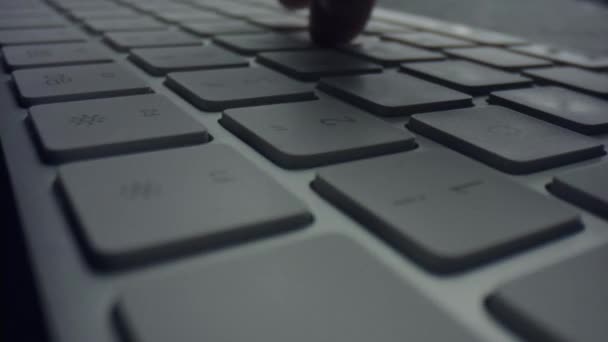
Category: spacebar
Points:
column 306, row 291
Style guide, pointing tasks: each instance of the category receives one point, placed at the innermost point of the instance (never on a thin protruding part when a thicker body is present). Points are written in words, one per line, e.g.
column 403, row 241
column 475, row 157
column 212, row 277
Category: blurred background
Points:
column 579, row 25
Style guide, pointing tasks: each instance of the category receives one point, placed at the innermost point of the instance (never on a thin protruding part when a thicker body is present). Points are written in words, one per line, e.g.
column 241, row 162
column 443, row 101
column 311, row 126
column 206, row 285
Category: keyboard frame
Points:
column 78, row 299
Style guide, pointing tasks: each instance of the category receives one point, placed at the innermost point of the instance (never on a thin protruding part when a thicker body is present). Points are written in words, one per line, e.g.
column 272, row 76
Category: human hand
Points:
column 334, row 22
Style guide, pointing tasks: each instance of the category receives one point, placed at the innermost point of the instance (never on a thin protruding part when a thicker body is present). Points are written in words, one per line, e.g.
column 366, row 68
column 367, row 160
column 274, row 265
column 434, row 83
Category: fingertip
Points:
column 293, row 4
column 337, row 22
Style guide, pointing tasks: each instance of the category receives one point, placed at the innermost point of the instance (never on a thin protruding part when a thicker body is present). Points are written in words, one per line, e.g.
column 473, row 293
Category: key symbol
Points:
column 87, row 120
column 221, row 176
column 140, row 189
column 57, row 79
column 212, row 84
column 150, row 112
column 279, row 128
column 336, row 121
column 38, row 53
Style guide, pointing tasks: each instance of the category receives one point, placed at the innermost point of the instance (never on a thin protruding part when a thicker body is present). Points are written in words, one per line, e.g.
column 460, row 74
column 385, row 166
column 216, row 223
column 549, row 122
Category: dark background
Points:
column 578, row 25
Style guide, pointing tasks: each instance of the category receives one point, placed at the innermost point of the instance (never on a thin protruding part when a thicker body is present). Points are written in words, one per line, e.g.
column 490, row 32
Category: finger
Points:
column 335, row 22
column 295, row 3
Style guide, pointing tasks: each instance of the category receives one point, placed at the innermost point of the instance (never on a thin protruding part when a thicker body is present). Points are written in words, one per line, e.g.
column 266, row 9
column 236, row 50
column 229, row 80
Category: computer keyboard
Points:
column 199, row 170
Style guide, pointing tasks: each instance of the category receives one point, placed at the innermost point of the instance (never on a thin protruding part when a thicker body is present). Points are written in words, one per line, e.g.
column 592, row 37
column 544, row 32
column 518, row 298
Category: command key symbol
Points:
column 221, row 176
column 86, row 120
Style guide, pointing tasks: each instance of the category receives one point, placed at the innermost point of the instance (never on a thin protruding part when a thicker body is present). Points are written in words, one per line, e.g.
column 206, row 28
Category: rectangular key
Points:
column 45, row 85
column 563, row 56
column 465, row 76
column 226, row 27
column 97, row 128
column 444, row 211
column 574, row 78
column 505, row 139
column 499, row 58
column 189, row 16
column 87, row 14
column 307, row 134
column 309, row 290
column 564, row 302
column 31, row 23
column 123, row 41
column 484, row 37
column 122, row 24
column 586, row 187
column 215, row 90
column 392, row 94
column 150, row 206
column 251, row 44
column 47, row 55
column 379, row 28
column 314, row 64
column 26, row 13
column 245, row 12
column 428, row 40
column 160, row 61
column 281, row 22
column 575, row 111
column 391, row 54
column 40, row 36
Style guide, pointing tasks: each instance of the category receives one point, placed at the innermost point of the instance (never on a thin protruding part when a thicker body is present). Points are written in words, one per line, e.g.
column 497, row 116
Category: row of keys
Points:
column 481, row 133
column 373, row 191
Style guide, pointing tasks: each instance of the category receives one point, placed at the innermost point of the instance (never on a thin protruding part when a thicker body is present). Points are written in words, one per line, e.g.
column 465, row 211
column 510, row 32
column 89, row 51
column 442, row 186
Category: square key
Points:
column 563, row 56
column 444, row 211
column 280, row 22
column 189, row 16
column 225, row 27
column 121, row 24
column 31, row 23
column 428, row 40
column 123, row 41
column 466, row 76
column 586, row 187
column 314, row 64
column 391, row 94
column 40, row 36
column 498, row 57
column 390, row 54
column 578, row 79
column 86, row 14
column 251, row 44
column 564, row 301
column 505, row 139
column 46, row 55
column 576, row 111
column 380, row 27
column 70, row 83
column 306, row 134
column 215, row 90
column 141, row 208
column 160, row 61
column 97, row 128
